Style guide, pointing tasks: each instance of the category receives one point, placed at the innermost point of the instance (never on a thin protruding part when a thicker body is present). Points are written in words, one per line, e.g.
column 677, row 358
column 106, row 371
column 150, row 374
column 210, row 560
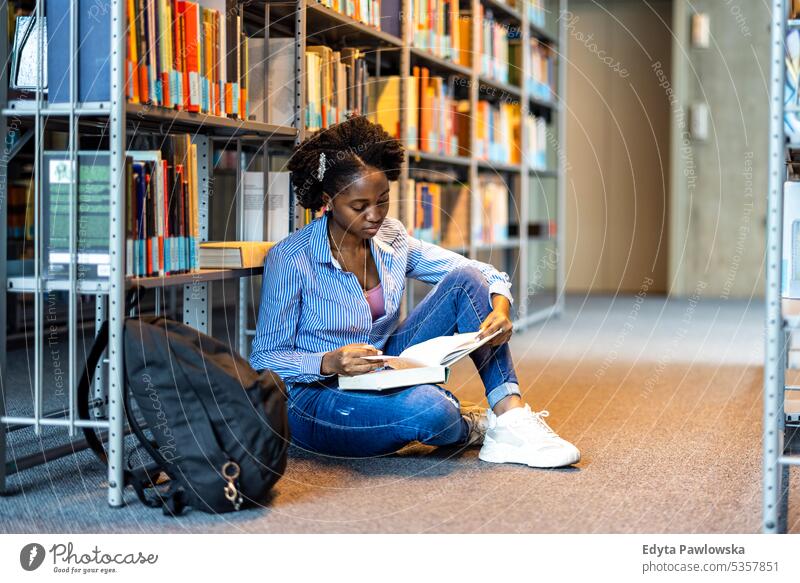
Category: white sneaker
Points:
column 478, row 420
column 521, row 436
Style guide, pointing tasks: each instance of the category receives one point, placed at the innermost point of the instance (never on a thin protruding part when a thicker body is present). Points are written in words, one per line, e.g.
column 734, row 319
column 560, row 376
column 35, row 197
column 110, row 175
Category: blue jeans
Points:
column 327, row 420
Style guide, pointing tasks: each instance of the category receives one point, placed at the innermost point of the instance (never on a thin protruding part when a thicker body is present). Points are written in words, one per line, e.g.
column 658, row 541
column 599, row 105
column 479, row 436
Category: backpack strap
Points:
column 173, row 502
column 140, row 479
column 89, row 433
column 92, row 360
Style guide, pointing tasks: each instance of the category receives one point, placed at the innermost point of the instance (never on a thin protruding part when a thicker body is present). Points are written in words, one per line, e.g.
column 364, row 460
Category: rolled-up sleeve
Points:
column 430, row 263
column 278, row 315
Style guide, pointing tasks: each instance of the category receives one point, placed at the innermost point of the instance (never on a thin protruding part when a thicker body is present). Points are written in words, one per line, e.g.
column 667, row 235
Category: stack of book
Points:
column 439, row 27
column 381, row 14
column 536, row 13
column 437, row 212
column 493, row 44
column 428, row 211
column 490, row 211
column 335, row 82
column 163, row 226
column 182, row 55
column 233, row 254
column 498, row 132
column 189, row 56
column 438, row 122
column 383, row 103
column 455, row 215
column 540, row 82
column 536, row 152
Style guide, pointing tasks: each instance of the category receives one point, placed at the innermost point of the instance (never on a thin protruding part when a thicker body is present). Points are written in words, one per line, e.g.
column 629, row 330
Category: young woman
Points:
column 331, row 296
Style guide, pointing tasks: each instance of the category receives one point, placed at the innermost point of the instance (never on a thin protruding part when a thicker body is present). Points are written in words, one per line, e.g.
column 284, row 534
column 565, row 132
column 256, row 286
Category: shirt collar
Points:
column 320, row 248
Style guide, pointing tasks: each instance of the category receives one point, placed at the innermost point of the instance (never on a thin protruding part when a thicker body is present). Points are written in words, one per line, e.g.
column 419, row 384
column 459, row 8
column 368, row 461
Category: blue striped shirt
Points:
column 310, row 306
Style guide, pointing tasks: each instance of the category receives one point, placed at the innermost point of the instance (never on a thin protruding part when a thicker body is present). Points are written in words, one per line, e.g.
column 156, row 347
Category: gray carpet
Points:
column 663, row 399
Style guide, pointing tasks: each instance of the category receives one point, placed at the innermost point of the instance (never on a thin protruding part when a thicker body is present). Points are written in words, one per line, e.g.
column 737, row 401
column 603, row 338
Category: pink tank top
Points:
column 375, row 300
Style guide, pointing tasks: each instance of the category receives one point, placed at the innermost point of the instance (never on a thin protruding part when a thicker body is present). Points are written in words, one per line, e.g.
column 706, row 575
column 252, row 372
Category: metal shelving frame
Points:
column 520, row 175
column 303, row 17
column 117, row 116
column 777, row 458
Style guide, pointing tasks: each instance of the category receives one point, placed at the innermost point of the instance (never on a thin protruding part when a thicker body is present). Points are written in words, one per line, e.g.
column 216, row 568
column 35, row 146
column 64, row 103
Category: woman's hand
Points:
column 498, row 319
column 348, row 360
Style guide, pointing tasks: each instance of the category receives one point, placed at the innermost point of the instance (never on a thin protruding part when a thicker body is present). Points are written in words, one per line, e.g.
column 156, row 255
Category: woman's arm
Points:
column 430, row 263
column 278, row 316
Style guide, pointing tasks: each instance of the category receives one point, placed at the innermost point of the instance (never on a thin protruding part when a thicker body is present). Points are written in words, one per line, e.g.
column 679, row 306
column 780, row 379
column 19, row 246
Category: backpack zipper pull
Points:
column 230, row 471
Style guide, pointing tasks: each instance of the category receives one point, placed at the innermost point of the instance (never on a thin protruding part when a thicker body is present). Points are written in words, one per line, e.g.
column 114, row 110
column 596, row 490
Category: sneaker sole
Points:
column 500, row 454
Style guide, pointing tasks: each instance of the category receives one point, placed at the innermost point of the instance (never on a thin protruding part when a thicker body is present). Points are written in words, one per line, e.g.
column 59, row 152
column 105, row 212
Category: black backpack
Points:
column 219, row 429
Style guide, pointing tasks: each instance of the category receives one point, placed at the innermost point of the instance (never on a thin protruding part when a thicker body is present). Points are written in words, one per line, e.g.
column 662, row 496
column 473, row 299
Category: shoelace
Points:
column 474, row 416
column 537, row 419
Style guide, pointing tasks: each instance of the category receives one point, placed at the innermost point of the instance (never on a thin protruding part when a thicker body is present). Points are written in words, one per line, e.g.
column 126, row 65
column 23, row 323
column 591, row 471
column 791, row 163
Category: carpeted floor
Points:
column 662, row 397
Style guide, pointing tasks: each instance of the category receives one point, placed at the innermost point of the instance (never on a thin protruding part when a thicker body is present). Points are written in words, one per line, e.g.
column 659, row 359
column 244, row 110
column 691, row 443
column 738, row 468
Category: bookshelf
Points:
column 31, row 124
column 534, row 262
column 535, row 195
column 780, row 402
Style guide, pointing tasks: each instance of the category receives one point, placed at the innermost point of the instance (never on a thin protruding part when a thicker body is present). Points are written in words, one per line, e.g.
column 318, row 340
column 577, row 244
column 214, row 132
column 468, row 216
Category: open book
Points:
column 426, row 362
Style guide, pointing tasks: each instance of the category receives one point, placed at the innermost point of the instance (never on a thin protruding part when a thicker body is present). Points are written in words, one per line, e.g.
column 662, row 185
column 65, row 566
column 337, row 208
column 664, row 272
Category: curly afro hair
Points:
column 349, row 147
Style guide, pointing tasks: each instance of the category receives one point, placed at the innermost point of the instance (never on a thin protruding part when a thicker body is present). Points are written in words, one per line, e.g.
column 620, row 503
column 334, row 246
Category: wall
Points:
column 717, row 228
column 618, row 153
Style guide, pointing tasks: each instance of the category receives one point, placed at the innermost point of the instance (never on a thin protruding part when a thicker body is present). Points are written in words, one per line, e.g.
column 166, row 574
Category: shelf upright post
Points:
column 241, row 205
column 197, row 295
column 72, row 317
column 774, row 368
column 474, row 187
column 406, row 27
column 268, row 235
column 560, row 112
column 37, row 231
column 524, row 175
column 3, row 238
column 267, row 201
column 98, row 387
column 295, row 218
column 116, row 301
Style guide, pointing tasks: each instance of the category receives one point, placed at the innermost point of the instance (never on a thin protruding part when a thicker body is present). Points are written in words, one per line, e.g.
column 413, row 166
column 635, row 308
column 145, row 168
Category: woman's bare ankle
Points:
column 507, row 403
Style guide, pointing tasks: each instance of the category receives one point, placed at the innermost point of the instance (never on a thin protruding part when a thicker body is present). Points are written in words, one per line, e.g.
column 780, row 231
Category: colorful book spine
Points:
column 536, row 12
column 493, row 43
column 438, row 27
column 188, row 56
column 542, row 78
column 498, row 129
column 338, row 84
column 490, row 205
column 536, row 152
column 163, row 233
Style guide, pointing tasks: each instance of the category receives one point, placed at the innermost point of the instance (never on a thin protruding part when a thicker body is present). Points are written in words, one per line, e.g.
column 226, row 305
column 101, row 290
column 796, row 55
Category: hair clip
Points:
column 321, row 168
